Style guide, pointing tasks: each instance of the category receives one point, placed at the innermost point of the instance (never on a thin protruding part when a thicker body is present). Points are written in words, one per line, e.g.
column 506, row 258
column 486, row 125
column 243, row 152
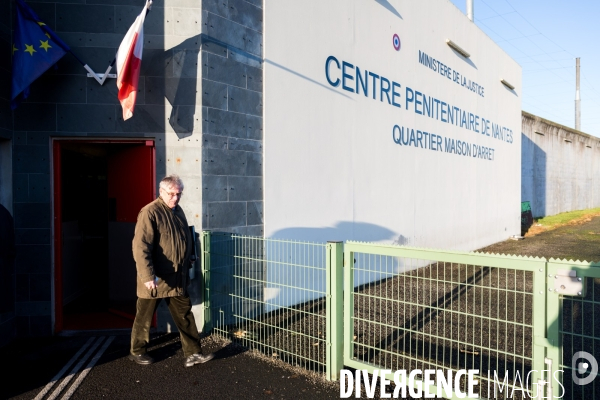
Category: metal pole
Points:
column 470, row 10
column 206, row 312
column 334, row 310
column 577, row 97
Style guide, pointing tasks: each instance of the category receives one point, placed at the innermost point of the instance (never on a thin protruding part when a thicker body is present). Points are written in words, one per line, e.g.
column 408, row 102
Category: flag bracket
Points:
column 100, row 78
column 102, row 75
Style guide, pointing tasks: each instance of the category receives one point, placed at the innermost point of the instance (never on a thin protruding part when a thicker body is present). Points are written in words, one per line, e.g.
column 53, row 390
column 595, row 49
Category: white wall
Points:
column 332, row 169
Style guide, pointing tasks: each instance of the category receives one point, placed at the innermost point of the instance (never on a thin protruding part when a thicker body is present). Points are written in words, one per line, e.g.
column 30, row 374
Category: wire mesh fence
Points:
column 269, row 295
column 579, row 333
column 430, row 314
column 406, row 309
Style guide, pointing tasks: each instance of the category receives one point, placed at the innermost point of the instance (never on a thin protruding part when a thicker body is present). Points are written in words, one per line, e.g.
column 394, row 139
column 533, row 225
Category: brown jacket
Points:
column 162, row 245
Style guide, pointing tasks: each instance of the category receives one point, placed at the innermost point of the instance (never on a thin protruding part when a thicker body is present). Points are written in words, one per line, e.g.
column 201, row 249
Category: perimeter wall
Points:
column 560, row 167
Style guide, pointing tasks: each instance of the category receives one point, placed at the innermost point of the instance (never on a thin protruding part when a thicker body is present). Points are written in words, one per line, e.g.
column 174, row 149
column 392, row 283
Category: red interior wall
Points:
column 131, row 188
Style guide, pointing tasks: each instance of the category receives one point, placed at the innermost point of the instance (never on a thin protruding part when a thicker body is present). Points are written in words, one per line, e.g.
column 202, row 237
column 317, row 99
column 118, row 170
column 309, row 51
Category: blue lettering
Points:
column 364, row 84
column 417, row 102
column 345, row 75
column 337, row 81
column 444, row 111
column 375, row 77
column 426, row 105
column 409, row 96
column 386, row 90
column 412, row 137
column 405, row 142
column 400, row 130
column 395, row 94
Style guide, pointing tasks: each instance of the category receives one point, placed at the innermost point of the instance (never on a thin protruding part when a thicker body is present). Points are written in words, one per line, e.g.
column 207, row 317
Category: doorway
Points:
column 99, row 188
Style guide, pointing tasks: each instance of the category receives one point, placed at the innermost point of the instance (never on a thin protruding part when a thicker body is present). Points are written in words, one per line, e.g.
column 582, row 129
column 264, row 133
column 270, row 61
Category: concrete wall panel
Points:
column 225, row 70
column 214, row 188
column 223, row 215
column 245, row 188
column 32, row 236
column 33, row 259
column 224, row 162
column 85, row 18
column 30, row 159
column 245, row 145
column 226, row 123
column 35, row 117
column 214, row 142
column 244, row 101
column 31, row 215
column 214, row 94
column 86, row 118
column 560, row 167
column 255, row 213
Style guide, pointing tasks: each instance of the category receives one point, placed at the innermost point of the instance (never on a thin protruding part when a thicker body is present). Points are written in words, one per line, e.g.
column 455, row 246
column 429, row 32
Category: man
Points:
column 162, row 247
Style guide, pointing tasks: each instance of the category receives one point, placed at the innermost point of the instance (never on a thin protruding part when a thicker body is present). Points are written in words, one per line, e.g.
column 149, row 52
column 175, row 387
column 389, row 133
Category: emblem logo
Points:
column 396, row 42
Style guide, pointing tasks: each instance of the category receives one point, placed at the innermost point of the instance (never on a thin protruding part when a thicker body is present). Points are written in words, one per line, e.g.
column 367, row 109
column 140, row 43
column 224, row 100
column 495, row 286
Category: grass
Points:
column 567, row 218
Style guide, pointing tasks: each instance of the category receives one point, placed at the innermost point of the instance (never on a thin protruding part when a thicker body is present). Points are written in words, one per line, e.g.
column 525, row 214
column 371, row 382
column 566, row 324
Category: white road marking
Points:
column 87, row 369
column 75, row 370
column 62, row 371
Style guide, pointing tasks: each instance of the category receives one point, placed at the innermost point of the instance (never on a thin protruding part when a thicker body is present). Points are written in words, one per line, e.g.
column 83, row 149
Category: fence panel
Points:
column 574, row 325
column 409, row 309
column 270, row 295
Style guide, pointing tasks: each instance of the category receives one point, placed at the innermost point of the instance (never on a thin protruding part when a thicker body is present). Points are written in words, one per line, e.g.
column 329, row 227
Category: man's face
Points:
column 171, row 195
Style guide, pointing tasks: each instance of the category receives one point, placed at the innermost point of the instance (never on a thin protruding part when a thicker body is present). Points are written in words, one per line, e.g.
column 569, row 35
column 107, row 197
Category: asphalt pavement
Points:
column 97, row 367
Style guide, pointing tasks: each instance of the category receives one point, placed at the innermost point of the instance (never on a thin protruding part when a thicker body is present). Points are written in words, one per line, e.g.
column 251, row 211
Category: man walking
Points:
column 162, row 246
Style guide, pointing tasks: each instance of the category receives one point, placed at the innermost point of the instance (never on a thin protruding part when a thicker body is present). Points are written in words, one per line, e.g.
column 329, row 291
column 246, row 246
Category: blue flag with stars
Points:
column 35, row 49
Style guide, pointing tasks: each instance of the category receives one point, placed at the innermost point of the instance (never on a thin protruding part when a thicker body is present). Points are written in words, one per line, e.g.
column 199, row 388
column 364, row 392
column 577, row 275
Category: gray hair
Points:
column 171, row 180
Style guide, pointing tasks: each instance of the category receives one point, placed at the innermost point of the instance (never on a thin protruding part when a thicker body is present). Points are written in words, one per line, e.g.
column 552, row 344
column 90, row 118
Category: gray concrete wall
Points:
column 560, row 167
column 232, row 113
column 7, row 277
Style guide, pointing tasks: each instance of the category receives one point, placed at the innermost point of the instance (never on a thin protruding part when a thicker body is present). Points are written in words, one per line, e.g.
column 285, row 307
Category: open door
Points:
column 99, row 188
column 129, row 189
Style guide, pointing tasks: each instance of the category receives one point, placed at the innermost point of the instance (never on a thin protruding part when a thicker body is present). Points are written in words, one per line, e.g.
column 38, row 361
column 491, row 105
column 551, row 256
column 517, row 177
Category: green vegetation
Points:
column 554, row 221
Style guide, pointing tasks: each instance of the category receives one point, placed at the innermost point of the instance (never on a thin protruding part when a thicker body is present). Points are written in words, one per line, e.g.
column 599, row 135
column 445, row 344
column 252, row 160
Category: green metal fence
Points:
column 370, row 306
column 574, row 327
column 410, row 309
column 268, row 294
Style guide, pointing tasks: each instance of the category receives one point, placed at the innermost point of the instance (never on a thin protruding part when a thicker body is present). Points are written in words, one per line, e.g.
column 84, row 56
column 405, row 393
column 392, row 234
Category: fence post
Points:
column 334, row 307
column 540, row 300
column 554, row 317
column 206, row 322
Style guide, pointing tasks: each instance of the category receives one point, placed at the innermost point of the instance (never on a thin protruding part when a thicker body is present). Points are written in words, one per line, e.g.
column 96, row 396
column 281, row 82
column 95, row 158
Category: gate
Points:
column 408, row 309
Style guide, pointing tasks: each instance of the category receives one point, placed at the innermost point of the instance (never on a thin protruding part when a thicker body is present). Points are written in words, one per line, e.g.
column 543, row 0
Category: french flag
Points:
column 129, row 62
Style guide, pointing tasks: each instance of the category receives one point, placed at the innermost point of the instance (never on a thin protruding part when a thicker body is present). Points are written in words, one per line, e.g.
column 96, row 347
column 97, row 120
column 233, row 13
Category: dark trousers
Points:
column 180, row 308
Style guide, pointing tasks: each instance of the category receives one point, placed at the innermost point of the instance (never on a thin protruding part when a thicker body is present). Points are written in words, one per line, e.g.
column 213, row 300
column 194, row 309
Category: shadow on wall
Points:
column 344, row 230
column 389, row 7
column 182, row 88
column 533, row 176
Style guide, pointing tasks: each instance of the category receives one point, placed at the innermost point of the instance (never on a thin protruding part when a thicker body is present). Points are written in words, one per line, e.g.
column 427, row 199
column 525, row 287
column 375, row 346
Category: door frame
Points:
column 56, row 198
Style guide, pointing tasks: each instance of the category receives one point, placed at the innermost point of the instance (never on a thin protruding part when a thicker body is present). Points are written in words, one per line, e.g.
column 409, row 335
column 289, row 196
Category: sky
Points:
column 545, row 37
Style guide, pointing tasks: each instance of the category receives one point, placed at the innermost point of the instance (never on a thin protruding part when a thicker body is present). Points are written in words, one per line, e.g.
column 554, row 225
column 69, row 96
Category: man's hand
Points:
column 150, row 285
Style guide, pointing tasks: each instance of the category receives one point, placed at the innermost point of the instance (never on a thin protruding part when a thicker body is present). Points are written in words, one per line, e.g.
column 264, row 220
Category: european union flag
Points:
column 35, row 49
